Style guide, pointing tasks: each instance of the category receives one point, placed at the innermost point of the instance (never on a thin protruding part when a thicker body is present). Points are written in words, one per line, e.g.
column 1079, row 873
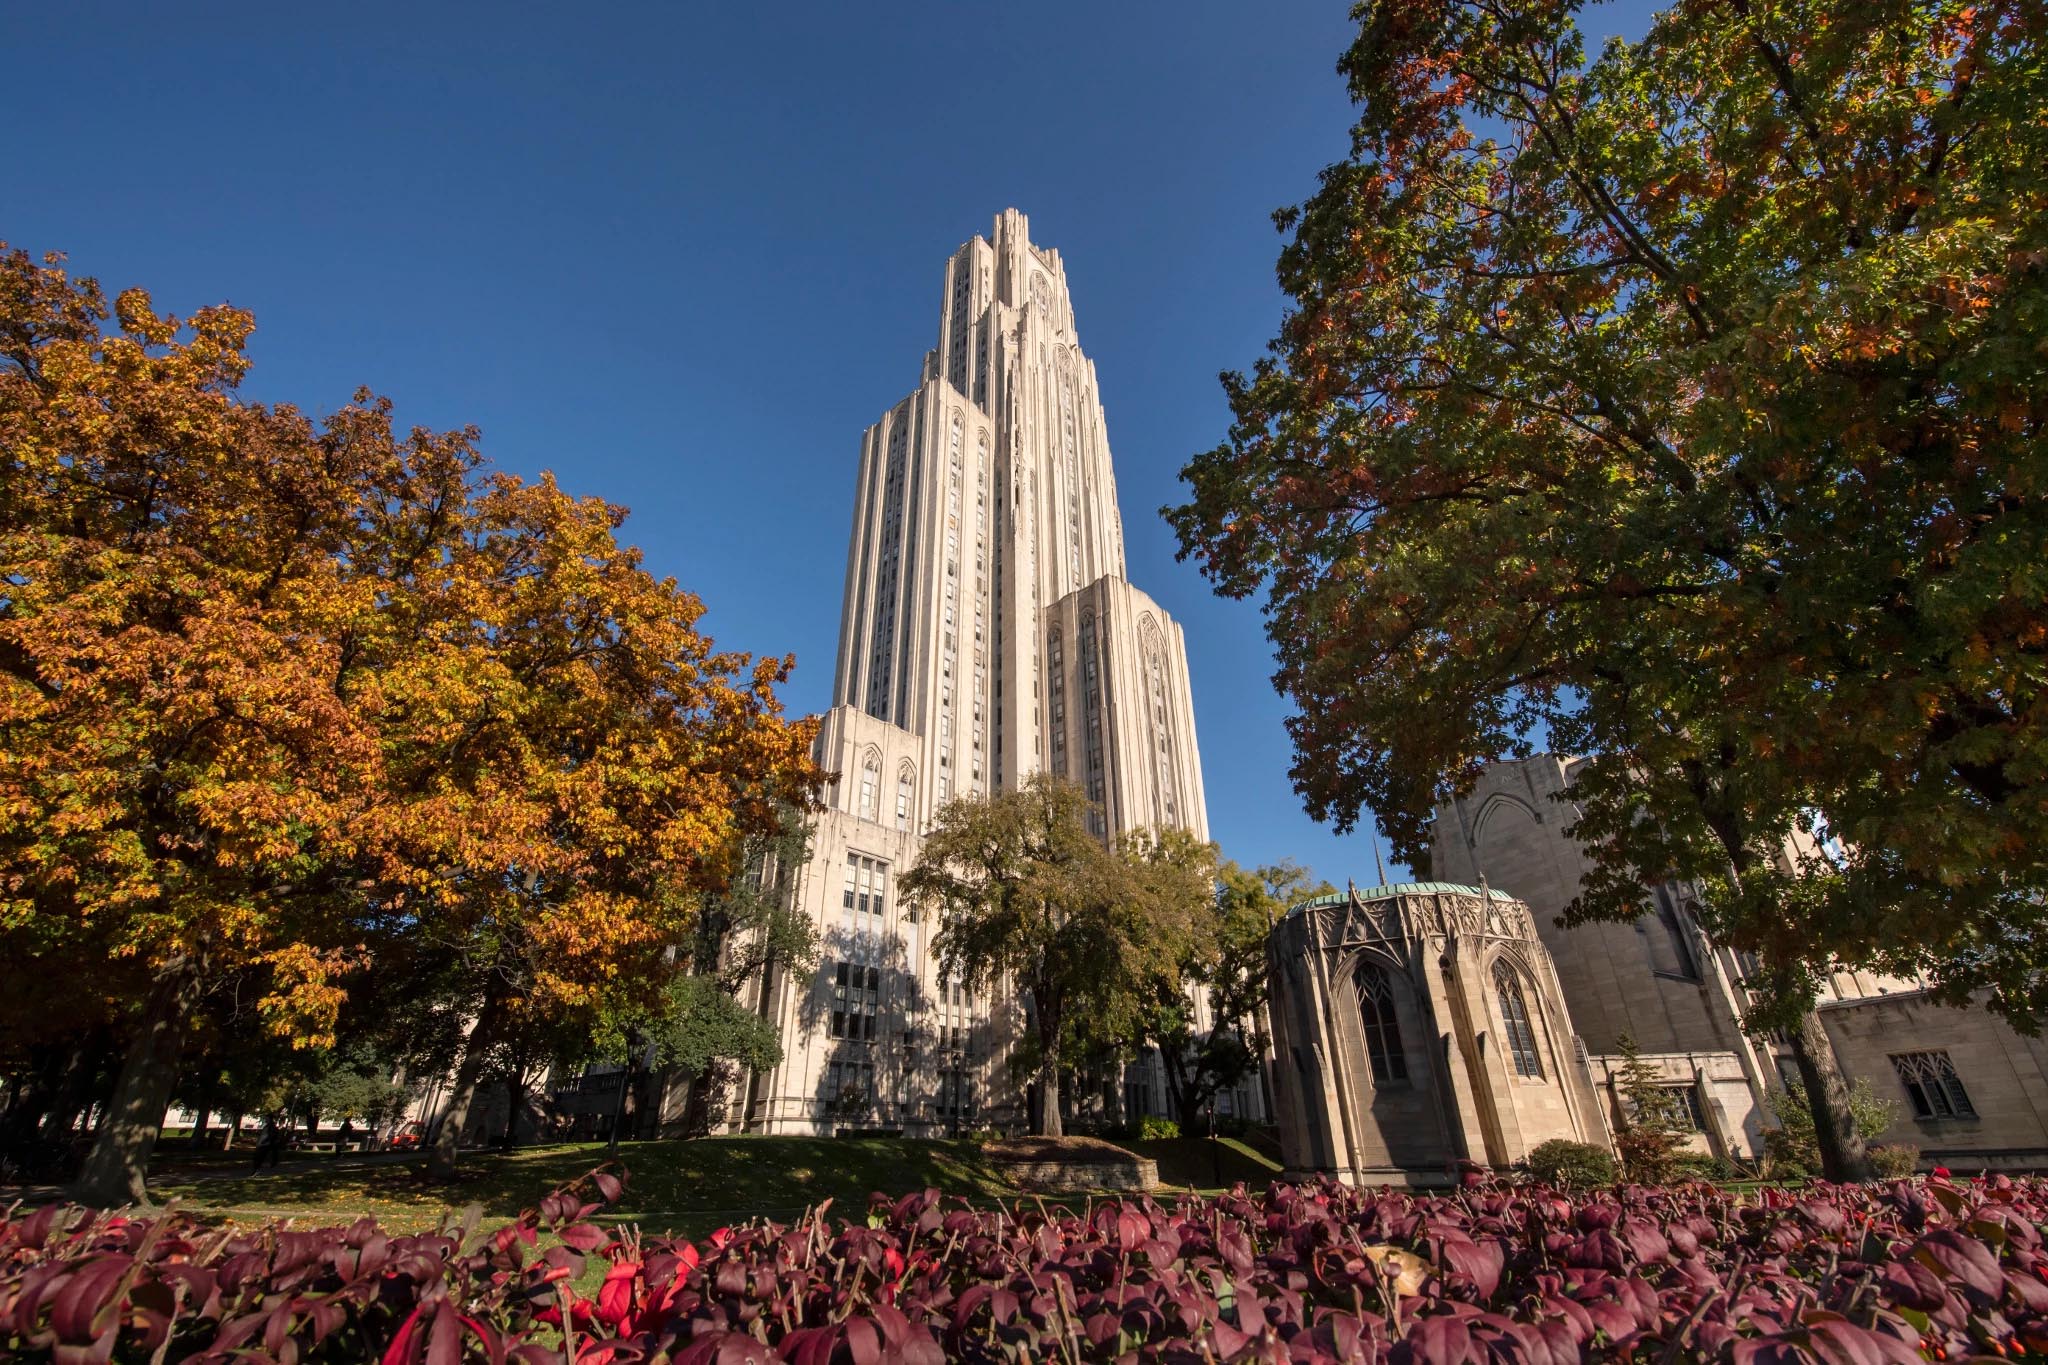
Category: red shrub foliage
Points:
column 1917, row 1270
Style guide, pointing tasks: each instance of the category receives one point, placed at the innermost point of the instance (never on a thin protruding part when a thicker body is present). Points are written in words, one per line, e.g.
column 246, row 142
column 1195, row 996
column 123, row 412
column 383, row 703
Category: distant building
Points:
column 987, row 633
column 1971, row 1092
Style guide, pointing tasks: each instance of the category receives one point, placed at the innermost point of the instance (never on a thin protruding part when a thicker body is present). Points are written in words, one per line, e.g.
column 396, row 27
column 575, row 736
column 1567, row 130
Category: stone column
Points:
column 1464, row 1071
column 1339, row 1083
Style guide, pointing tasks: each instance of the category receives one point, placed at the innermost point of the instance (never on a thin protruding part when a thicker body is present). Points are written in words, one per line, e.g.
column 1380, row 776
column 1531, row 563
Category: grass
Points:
column 1192, row 1162
column 684, row 1188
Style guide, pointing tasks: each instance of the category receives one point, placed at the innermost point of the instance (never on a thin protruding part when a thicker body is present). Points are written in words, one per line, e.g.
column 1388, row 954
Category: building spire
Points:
column 1377, row 865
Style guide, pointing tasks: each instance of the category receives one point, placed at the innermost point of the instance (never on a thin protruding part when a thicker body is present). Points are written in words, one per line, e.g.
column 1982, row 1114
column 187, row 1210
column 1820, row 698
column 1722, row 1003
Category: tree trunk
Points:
column 227, row 1143
column 1262, row 1049
column 71, row 1095
column 209, row 1085
column 1843, row 1156
column 628, row 1110
column 515, row 1095
column 34, row 1096
column 116, row 1170
column 1174, row 1066
column 1049, row 1121
column 469, row 1071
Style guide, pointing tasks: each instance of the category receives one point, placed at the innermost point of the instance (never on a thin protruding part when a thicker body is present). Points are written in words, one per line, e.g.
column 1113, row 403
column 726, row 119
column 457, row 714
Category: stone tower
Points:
column 987, row 632
column 986, row 609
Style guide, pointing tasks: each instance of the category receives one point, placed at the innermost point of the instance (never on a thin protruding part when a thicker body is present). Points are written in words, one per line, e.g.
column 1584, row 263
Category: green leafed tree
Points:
column 1681, row 405
column 1792, row 1148
column 1181, row 933
column 1653, row 1124
column 701, row 1026
column 1248, row 904
column 1085, row 931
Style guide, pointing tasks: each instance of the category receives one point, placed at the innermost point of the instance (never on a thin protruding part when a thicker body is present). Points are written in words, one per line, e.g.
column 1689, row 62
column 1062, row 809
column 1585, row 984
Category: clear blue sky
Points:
column 681, row 254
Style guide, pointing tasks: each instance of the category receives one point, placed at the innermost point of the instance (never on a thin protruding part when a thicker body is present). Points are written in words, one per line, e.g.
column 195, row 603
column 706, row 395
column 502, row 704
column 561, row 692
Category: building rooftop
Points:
column 1388, row 892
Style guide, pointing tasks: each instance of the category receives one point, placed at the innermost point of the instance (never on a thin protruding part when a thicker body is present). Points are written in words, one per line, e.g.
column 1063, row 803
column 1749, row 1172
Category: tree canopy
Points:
column 1681, row 406
column 1086, row 931
column 273, row 689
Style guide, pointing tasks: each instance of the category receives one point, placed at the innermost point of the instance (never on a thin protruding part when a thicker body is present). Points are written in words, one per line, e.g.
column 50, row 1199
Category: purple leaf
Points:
column 1442, row 1339
column 1963, row 1258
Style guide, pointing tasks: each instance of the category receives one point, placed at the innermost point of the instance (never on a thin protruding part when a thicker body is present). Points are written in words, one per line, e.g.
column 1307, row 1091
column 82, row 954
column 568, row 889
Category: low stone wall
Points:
column 1072, row 1165
column 1394, row 1177
column 1135, row 1175
column 1962, row 1161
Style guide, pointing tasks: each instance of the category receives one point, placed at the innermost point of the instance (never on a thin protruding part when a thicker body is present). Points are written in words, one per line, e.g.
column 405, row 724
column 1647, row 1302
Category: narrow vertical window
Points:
column 1382, row 1026
column 870, row 786
column 1514, row 1018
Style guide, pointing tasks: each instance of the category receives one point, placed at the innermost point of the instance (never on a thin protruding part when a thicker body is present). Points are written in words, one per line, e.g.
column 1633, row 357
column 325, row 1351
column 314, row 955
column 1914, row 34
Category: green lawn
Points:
column 1193, row 1162
column 685, row 1188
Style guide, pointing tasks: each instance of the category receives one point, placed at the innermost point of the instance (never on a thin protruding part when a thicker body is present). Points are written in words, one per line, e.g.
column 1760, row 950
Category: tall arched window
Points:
column 1670, row 954
column 1514, row 1018
column 1382, row 1026
column 870, row 786
column 905, row 787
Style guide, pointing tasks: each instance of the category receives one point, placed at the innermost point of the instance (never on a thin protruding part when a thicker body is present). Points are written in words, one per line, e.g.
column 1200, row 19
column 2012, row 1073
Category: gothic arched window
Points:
column 870, row 786
column 1382, row 1026
column 1670, row 954
column 906, row 784
column 1514, row 1018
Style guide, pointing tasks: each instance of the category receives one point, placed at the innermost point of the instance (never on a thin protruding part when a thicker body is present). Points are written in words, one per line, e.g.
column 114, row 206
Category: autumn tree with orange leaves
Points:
column 1684, row 404
column 272, row 690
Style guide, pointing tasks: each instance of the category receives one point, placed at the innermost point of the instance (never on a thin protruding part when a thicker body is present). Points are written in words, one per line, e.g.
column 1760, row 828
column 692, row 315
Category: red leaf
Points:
column 400, row 1351
column 615, row 1295
column 1836, row 1340
column 88, row 1291
column 444, row 1338
column 1479, row 1262
column 584, row 1237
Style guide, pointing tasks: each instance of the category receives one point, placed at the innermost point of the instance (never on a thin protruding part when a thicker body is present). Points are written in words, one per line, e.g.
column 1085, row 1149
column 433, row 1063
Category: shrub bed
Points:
column 1903, row 1272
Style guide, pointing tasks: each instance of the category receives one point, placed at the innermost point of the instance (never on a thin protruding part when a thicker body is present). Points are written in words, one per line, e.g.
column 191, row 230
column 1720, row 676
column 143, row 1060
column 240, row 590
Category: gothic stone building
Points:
column 1417, row 1027
column 1970, row 1092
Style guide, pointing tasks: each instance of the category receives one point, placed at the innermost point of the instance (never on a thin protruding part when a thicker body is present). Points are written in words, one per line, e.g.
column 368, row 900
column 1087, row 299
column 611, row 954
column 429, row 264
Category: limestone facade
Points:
column 987, row 633
column 1972, row 1092
column 1680, row 997
column 1416, row 1027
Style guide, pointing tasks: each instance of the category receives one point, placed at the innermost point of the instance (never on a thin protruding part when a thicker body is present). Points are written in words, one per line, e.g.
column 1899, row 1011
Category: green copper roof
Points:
column 1380, row 893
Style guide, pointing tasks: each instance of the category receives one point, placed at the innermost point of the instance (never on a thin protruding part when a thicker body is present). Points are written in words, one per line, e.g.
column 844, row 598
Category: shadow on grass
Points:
column 1196, row 1162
